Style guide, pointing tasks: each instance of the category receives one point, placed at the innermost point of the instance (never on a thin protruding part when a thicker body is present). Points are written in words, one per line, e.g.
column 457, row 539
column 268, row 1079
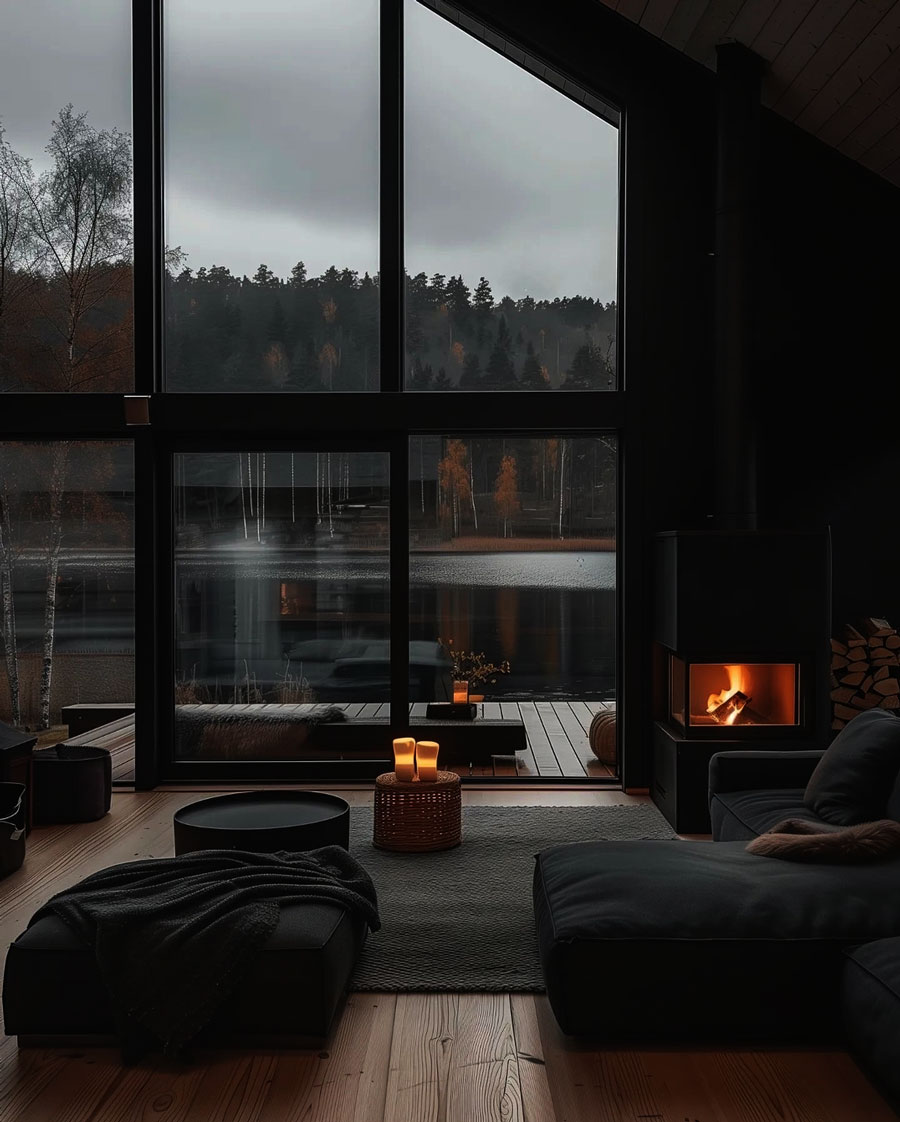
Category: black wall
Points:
column 827, row 339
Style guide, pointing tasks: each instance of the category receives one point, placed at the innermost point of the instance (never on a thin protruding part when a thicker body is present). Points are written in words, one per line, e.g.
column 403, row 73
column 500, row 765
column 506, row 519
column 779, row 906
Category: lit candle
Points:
column 426, row 760
column 405, row 759
column 460, row 693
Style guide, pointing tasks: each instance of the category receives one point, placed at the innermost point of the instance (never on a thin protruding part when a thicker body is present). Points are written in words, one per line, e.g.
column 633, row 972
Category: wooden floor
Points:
column 556, row 733
column 398, row 1057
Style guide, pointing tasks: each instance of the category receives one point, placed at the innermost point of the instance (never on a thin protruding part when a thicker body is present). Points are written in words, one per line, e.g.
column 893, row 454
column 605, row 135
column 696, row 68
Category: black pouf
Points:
column 71, row 783
column 263, row 822
column 290, row 995
column 12, row 827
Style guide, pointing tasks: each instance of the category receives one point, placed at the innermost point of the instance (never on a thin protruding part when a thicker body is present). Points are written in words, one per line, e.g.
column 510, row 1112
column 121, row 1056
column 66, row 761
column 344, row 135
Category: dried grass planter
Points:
column 602, row 738
column 417, row 817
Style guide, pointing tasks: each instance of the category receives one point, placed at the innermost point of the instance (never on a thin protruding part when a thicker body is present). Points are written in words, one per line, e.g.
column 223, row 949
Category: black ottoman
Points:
column 870, row 999
column 662, row 940
column 71, row 783
column 52, row 991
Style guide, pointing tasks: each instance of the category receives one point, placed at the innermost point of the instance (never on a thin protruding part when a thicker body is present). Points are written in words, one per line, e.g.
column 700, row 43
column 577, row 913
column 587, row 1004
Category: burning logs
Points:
column 865, row 670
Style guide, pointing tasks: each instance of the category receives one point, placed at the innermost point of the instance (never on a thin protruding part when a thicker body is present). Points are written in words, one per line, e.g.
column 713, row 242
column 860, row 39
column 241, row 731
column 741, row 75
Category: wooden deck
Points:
column 556, row 731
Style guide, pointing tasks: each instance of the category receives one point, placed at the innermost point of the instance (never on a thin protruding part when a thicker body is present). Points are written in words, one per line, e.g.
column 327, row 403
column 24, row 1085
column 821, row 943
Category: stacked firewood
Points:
column 865, row 670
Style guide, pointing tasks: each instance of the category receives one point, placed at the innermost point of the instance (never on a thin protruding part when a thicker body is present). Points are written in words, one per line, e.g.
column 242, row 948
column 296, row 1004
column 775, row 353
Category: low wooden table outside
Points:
column 417, row 817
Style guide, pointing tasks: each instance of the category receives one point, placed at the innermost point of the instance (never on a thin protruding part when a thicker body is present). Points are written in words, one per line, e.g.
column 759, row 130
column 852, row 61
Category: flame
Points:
column 738, row 679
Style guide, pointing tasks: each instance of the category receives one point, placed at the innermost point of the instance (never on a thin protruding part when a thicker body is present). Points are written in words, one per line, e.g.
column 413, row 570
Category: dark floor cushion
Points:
column 52, row 986
column 870, row 999
column 747, row 814
column 661, row 940
column 852, row 781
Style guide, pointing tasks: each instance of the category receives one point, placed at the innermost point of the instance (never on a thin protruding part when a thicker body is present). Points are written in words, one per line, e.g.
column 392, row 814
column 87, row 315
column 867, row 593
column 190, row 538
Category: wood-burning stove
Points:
column 741, row 647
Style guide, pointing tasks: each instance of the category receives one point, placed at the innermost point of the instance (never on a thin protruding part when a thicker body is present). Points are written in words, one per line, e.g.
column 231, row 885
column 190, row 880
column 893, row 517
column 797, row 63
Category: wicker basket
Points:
column 417, row 817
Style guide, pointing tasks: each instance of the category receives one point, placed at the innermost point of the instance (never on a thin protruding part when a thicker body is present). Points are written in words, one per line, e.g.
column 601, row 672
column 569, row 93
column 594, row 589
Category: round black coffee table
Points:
column 263, row 822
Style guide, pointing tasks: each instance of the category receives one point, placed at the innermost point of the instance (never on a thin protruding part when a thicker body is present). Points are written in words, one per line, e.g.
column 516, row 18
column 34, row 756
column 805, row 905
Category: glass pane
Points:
column 271, row 192
column 66, row 581
column 283, row 599
column 511, row 222
column 513, row 569
column 65, row 197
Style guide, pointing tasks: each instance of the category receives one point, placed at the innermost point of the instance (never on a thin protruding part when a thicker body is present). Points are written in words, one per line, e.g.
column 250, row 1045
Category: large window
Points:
column 66, row 579
column 301, row 265
column 513, row 562
column 271, row 158
column 65, row 198
column 511, row 193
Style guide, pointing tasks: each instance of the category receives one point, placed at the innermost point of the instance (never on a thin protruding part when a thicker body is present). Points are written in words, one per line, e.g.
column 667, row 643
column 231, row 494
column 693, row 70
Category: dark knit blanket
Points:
column 174, row 936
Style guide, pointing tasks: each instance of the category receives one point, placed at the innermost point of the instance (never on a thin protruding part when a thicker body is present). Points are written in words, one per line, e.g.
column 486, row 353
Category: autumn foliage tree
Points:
column 453, row 483
column 506, row 493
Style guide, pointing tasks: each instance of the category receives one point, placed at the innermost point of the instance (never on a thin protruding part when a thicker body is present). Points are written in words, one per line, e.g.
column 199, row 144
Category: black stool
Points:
column 71, row 783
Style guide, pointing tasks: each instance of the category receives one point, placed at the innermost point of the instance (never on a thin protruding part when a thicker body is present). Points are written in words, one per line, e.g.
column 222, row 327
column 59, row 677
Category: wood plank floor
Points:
column 397, row 1057
column 556, row 733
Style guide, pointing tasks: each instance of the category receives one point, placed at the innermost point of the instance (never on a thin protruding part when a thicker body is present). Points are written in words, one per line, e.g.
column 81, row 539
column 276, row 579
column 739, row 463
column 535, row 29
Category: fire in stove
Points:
column 729, row 706
column 735, row 694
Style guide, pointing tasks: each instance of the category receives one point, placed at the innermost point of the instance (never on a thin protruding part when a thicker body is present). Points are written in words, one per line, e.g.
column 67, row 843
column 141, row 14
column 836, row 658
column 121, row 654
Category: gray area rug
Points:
column 461, row 919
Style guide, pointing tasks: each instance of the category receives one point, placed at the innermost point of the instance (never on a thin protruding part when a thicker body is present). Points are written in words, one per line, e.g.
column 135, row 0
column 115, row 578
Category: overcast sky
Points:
column 271, row 139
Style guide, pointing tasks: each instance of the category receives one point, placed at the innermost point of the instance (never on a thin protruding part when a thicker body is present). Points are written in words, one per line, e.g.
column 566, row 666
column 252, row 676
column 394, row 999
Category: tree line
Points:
column 321, row 333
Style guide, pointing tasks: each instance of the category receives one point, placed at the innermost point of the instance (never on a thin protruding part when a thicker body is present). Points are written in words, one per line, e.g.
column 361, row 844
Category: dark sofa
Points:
column 713, row 944
column 857, row 779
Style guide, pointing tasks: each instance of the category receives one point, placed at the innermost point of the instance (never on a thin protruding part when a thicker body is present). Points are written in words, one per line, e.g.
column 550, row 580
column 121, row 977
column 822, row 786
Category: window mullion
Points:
column 390, row 263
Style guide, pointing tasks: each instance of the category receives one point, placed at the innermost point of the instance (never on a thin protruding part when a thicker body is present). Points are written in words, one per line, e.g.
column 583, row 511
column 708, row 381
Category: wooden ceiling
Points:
column 833, row 65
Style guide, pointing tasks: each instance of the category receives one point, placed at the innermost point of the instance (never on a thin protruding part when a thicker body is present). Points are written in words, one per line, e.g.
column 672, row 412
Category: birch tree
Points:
column 77, row 217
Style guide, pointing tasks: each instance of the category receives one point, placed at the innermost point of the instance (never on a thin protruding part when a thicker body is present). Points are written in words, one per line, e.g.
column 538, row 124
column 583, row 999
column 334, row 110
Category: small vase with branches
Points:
column 473, row 666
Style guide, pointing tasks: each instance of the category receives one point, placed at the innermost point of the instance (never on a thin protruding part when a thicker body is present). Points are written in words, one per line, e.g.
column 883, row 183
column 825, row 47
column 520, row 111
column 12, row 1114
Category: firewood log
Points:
column 842, row 694
column 872, row 625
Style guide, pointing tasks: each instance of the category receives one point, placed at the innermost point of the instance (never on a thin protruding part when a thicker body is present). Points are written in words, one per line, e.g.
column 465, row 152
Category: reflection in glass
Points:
column 283, row 592
column 513, row 562
column 511, row 195
column 271, row 127
column 66, row 579
column 65, row 198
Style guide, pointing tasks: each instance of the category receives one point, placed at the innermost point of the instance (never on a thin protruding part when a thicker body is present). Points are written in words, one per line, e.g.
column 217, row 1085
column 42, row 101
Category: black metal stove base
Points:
column 680, row 779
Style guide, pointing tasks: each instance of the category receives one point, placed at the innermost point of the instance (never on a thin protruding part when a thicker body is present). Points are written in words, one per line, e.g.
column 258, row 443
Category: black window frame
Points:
column 385, row 418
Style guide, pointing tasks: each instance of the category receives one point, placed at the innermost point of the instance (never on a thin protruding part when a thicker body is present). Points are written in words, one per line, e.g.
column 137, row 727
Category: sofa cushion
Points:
column 852, row 781
column 747, row 814
column 870, row 1003
column 707, row 940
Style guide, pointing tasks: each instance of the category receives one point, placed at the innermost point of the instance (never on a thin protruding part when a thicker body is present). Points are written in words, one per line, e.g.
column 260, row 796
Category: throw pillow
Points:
column 852, row 781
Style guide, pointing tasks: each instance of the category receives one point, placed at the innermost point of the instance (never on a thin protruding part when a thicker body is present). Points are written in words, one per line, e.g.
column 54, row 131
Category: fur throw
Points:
column 795, row 839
